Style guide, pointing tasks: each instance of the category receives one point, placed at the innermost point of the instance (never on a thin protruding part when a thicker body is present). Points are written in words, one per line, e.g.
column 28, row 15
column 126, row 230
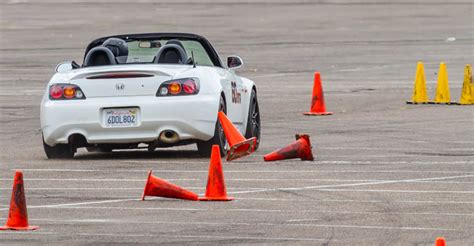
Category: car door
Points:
column 239, row 98
column 232, row 87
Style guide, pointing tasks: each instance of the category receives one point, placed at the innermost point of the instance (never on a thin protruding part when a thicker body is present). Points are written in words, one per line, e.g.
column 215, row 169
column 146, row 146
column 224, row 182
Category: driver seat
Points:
column 171, row 54
column 99, row 56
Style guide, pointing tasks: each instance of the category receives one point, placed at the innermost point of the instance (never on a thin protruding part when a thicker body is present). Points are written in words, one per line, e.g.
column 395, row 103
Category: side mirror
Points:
column 66, row 66
column 234, row 62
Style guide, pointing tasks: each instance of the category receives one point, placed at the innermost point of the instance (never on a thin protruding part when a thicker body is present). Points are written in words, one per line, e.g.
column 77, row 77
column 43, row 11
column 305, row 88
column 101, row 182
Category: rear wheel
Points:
column 59, row 151
column 253, row 121
column 205, row 147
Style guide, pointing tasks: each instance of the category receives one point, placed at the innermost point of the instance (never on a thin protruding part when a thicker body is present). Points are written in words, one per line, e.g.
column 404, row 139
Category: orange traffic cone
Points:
column 158, row 187
column 299, row 149
column 440, row 241
column 215, row 189
column 317, row 102
column 239, row 146
column 18, row 214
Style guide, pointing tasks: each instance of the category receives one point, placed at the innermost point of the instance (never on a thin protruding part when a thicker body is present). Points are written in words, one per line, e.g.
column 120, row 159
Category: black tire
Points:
column 205, row 147
column 59, row 151
column 253, row 122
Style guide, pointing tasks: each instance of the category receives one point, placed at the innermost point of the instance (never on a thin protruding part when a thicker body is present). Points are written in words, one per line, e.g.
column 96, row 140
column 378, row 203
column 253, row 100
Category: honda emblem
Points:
column 119, row 86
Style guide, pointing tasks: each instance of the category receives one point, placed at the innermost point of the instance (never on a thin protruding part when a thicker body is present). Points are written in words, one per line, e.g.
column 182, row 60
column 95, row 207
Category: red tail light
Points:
column 65, row 92
column 55, row 92
column 179, row 87
column 189, row 86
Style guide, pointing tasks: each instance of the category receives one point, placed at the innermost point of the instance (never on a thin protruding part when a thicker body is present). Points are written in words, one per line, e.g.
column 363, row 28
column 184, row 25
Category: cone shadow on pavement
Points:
column 301, row 148
column 239, row 146
column 215, row 189
column 158, row 187
column 18, row 214
column 318, row 106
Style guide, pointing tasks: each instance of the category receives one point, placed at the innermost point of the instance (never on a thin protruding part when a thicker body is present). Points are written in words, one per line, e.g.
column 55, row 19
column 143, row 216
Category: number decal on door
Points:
column 236, row 97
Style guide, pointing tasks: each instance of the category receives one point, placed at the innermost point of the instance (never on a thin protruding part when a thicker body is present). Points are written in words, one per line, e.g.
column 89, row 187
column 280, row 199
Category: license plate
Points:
column 121, row 117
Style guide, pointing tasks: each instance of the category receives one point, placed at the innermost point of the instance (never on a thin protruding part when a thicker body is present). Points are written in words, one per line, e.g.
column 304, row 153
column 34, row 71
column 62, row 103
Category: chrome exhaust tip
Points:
column 168, row 136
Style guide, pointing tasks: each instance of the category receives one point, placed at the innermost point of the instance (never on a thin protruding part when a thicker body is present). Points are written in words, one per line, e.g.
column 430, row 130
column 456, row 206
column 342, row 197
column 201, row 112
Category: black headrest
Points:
column 175, row 41
column 99, row 56
column 118, row 47
column 171, row 54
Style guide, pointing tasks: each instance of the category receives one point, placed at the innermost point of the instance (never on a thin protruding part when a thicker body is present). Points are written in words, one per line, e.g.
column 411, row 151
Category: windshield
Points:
column 145, row 51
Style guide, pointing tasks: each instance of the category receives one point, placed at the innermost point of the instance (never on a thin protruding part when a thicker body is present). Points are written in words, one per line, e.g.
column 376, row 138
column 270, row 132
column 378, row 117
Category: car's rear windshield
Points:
column 144, row 51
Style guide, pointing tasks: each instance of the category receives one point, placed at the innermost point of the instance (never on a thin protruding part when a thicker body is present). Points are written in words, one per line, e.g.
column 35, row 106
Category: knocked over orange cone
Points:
column 299, row 149
column 239, row 146
column 440, row 241
column 158, row 187
column 318, row 106
column 18, row 214
column 215, row 189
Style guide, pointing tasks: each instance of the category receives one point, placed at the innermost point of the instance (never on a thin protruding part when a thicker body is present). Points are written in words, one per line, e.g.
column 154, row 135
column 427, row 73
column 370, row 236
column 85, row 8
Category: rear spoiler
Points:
column 113, row 73
column 120, row 75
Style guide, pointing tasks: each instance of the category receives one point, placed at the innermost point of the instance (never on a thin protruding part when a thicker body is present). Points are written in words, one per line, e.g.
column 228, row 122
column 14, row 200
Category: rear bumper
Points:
column 192, row 117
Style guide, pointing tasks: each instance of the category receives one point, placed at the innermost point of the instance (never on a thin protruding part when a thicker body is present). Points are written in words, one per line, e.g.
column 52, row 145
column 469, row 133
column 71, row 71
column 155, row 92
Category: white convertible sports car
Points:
column 157, row 89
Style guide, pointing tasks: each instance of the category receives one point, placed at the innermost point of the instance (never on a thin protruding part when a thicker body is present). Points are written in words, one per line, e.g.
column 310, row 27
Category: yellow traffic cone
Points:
column 442, row 89
column 419, row 90
column 467, row 94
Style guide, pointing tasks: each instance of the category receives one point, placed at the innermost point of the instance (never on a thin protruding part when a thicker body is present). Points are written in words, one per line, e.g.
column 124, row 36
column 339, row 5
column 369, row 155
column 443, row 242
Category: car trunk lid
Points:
column 122, row 81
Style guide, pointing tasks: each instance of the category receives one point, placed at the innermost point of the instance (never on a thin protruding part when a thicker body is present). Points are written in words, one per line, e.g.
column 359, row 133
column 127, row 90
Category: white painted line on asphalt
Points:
column 287, row 189
column 398, row 191
column 328, row 155
column 163, row 161
column 286, row 200
column 258, row 224
column 246, row 189
column 227, row 237
column 351, row 180
column 99, row 189
column 96, row 180
column 353, row 201
column 340, row 162
column 22, row 92
column 236, row 180
column 461, row 141
column 272, row 75
column 246, row 171
column 391, row 148
column 159, row 235
column 321, row 187
column 81, row 203
column 261, row 210
column 32, row 233
column 77, row 188
column 291, row 200
column 91, row 170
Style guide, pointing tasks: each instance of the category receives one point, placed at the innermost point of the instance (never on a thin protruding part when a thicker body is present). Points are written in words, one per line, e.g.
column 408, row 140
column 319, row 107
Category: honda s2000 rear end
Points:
column 156, row 89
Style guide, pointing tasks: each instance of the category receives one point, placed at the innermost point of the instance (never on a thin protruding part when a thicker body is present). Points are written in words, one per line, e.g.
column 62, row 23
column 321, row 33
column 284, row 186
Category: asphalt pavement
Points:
column 385, row 173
